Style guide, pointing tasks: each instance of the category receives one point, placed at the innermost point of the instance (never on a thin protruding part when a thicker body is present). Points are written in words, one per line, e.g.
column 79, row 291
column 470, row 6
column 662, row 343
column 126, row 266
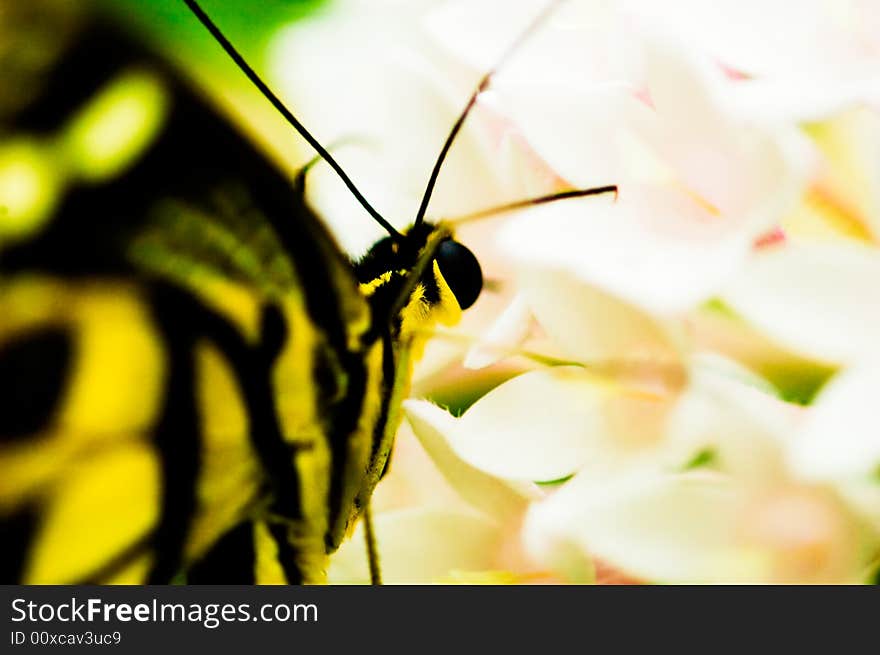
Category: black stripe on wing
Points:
column 183, row 319
column 287, row 557
column 33, row 373
column 19, row 529
column 177, row 435
column 230, row 561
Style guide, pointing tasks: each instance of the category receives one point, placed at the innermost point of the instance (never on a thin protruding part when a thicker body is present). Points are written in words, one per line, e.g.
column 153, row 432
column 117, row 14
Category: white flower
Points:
column 740, row 513
column 700, row 482
column 698, row 187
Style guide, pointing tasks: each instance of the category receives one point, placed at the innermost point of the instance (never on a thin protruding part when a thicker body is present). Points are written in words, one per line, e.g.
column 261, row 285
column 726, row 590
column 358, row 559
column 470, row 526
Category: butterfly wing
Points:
column 181, row 349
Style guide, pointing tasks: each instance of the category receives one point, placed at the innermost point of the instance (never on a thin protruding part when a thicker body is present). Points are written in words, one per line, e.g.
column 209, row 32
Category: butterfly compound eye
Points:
column 461, row 270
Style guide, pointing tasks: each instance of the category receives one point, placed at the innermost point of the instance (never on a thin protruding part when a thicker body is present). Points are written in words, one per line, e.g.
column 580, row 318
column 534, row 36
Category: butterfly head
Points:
column 425, row 276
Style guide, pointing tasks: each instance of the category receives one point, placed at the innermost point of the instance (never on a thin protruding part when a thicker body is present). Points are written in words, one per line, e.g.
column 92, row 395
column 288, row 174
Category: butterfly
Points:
column 198, row 384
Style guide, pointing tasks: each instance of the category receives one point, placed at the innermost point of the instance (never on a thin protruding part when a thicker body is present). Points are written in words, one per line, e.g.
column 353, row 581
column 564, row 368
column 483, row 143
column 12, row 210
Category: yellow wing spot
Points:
column 238, row 303
column 293, row 385
column 30, row 186
column 133, row 574
column 267, row 568
column 224, row 416
column 120, row 364
column 230, row 474
column 104, row 138
column 99, row 510
column 114, row 386
column 110, row 132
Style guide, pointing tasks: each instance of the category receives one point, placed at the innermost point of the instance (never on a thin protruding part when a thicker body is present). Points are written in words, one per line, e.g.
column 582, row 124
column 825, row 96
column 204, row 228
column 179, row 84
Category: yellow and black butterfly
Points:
column 196, row 383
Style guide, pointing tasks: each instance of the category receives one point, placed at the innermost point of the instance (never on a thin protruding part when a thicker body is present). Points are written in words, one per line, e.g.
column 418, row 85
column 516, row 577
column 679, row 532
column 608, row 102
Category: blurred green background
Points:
column 250, row 25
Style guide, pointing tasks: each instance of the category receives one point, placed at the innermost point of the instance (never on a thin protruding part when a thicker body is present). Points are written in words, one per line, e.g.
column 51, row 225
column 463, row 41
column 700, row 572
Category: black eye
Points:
column 461, row 270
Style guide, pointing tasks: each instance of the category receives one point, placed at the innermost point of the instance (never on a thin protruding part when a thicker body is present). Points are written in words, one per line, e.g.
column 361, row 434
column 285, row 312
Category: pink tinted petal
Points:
column 575, row 129
column 655, row 249
column 735, row 167
column 581, row 41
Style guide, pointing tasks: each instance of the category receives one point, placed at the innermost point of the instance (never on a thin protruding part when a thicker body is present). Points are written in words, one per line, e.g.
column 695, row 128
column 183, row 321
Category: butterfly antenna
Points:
column 533, row 202
column 481, row 87
column 206, row 21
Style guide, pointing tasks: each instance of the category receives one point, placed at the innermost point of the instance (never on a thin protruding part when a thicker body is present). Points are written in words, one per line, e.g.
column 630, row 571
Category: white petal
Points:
column 700, row 527
column 822, row 300
column 509, row 331
column 480, row 30
column 841, row 439
column 564, row 557
column 728, row 418
column 576, row 129
column 654, row 248
column 796, row 100
column 747, row 173
column 413, row 479
column 419, row 547
column 497, row 498
column 580, row 41
column 525, row 172
column 538, row 426
column 863, row 496
column 660, row 527
column 588, row 323
column 685, row 84
column 767, row 38
column 850, row 146
column 806, row 62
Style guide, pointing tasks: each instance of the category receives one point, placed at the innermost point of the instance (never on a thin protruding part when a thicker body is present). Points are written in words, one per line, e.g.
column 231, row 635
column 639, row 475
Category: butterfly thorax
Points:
column 412, row 283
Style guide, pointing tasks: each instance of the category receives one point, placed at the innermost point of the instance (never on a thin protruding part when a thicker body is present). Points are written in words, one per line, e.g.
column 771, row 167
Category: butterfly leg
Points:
column 372, row 549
